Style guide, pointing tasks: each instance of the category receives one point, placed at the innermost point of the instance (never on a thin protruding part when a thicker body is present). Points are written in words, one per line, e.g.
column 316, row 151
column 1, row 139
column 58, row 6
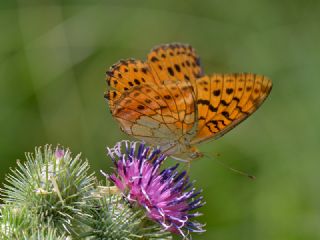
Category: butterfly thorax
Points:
column 182, row 150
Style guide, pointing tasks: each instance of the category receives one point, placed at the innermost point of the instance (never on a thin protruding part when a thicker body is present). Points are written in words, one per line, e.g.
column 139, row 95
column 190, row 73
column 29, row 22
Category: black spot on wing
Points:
column 170, row 70
column 207, row 102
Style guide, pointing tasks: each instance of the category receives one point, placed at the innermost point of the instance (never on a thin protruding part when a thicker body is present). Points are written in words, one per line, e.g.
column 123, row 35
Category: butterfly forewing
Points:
column 125, row 75
column 224, row 100
column 178, row 62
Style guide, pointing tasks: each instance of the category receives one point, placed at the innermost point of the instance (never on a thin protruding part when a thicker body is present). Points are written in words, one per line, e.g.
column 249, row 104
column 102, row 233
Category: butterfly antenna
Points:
column 216, row 156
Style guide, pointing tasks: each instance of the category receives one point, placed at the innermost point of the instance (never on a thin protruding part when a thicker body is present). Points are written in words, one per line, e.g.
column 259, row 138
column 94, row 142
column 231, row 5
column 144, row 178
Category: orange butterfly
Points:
column 168, row 101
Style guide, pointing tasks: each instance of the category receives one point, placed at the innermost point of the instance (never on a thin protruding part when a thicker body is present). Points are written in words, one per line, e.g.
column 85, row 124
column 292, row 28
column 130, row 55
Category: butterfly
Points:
column 168, row 101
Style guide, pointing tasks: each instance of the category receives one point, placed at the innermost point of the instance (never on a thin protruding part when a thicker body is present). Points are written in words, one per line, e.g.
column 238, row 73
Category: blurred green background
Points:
column 53, row 57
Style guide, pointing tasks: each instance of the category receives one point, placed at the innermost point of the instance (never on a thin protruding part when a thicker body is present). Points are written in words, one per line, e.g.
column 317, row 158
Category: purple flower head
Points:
column 167, row 195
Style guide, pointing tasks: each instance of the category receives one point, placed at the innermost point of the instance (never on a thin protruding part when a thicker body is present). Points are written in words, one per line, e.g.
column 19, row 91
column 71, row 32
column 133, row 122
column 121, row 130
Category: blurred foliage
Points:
column 53, row 57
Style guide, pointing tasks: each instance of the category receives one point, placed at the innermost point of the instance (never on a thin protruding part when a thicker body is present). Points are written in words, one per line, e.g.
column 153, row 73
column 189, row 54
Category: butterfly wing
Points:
column 150, row 104
column 165, row 63
column 225, row 100
column 125, row 75
column 176, row 62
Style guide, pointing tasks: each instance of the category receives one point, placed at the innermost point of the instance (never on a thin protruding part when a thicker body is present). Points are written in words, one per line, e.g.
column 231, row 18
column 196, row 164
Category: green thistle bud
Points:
column 51, row 186
column 110, row 216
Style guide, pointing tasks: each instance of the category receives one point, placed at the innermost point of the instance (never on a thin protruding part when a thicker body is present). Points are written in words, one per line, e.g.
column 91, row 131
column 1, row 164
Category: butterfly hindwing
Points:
column 156, row 114
column 225, row 100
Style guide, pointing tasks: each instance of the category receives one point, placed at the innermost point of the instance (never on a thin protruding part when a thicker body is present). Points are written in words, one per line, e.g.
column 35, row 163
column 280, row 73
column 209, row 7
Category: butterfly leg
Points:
column 188, row 166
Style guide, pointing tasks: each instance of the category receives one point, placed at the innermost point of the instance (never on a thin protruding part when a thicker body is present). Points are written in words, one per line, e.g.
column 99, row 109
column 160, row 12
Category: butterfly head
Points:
column 195, row 153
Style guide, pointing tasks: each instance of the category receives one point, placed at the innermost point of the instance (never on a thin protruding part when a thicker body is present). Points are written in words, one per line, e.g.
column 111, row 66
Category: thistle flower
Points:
column 167, row 195
column 52, row 195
